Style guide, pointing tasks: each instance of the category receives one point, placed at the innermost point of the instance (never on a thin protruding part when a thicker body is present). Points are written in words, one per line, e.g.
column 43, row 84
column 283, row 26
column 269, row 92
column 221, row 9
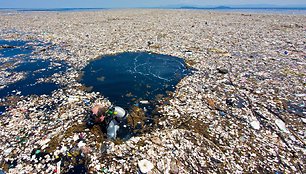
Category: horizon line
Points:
column 164, row 7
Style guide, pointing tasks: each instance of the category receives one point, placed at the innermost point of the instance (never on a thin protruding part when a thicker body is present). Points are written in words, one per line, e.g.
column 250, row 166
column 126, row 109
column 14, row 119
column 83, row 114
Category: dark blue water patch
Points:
column 129, row 77
column 78, row 169
column 298, row 109
column 29, row 89
column 32, row 65
column 14, row 52
column 17, row 54
column 13, row 42
column 60, row 9
column 34, row 69
column 14, row 48
column 2, row 110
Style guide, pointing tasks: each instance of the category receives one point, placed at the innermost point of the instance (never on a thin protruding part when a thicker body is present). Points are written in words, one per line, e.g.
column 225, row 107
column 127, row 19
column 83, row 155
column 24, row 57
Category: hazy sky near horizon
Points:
column 136, row 3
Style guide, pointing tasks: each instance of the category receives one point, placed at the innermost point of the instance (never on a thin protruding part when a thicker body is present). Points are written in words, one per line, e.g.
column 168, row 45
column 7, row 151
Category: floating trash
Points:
column 255, row 124
column 298, row 109
column 134, row 79
column 281, row 125
column 33, row 70
column 24, row 75
column 191, row 137
column 145, row 166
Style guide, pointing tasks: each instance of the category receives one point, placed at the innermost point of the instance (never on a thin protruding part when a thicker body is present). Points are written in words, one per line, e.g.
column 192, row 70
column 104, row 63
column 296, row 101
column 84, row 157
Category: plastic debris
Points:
column 104, row 170
column 145, row 166
column 63, row 149
column 255, row 124
column 58, row 167
column 44, row 141
column 112, row 130
column 300, row 95
column 8, row 151
column 281, row 125
column 144, row 102
column 69, row 154
column 37, row 151
column 72, row 99
column 223, row 114
column 75, row 137
column 87, row 102
column 81, row 144
column 222, row 70
column 190, row 133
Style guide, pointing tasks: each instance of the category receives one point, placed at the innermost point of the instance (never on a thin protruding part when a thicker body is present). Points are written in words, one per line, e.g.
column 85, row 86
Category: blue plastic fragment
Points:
column 87, row 102
column 223, row 114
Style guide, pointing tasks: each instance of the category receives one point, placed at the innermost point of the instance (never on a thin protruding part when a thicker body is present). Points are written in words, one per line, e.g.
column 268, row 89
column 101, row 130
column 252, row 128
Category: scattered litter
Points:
column 58, row 167
column 144, row 102
column 281, row 125
column 261, row 61
column 81, row 144
column 255, row 124
column 145, row 166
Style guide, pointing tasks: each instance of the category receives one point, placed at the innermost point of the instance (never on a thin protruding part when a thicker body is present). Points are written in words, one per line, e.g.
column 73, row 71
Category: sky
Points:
column 140, row 3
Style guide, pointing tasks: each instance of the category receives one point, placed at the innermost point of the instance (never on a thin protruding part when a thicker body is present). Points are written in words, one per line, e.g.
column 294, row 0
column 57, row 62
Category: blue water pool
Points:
column 131, row 78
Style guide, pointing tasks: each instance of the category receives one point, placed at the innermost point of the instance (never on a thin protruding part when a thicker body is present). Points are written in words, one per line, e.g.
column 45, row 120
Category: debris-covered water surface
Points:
column 34, row 71
column 135, row 81
column 22, row 73
column 242, row 111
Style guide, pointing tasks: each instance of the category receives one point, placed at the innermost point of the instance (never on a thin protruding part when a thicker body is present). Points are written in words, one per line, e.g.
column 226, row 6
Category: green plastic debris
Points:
column 105, row 170
column 37, row 152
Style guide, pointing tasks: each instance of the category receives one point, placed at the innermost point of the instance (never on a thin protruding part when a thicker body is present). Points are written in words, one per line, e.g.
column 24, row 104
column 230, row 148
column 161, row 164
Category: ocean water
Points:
column 34, row 69
column 15, row 57
column 134, row 78
column 288, row 11
column 130, row 77
column 14, row 48
column 50, row 9
column 293, row 11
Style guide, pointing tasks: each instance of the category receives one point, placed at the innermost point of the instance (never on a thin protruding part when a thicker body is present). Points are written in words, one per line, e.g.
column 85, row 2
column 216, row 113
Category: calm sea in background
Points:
column 290, row 11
